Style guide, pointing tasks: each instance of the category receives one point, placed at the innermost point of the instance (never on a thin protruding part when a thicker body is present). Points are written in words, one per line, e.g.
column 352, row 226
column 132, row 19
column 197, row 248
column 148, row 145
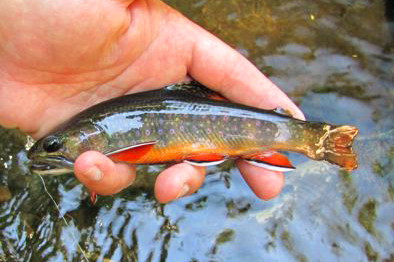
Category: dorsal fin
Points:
column 282, row 111
column 194, row 88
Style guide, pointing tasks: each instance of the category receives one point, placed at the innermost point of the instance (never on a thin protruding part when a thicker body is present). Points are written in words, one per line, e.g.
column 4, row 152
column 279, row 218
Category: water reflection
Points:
column 334, row 58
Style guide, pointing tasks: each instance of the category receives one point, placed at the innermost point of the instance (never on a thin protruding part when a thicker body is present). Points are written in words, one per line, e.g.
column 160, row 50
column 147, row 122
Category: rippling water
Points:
column 335, row 59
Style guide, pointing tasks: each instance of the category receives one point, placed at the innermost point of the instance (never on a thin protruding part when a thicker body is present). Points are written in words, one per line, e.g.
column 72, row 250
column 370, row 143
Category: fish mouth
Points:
column 51, row 165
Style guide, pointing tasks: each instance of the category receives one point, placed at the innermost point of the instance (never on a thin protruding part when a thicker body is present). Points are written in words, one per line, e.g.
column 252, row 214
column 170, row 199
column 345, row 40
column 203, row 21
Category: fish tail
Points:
column 336, row 146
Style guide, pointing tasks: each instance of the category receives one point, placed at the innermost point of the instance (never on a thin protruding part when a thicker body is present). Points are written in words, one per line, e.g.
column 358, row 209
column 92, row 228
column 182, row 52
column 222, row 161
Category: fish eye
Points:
column 51, row 144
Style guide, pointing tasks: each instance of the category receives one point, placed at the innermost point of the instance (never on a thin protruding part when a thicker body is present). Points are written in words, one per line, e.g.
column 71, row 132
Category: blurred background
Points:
column 335, row 59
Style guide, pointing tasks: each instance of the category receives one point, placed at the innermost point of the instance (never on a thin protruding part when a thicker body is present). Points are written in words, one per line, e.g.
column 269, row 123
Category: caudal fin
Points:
column 337, row 146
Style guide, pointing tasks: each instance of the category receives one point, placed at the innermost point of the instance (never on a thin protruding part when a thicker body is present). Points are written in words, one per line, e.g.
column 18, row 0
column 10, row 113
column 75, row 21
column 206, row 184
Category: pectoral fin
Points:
column 270, row 160
column 131, row 153
column 205, row 160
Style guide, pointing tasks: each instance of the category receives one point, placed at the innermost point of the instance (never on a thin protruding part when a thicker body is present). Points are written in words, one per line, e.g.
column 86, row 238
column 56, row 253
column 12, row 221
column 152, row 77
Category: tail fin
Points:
column 337, row 147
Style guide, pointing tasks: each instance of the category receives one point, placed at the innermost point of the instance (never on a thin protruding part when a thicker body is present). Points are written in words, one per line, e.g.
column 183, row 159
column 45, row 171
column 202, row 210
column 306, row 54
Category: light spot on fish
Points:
column 147, row 132
column 172, row 131
column 284, row 134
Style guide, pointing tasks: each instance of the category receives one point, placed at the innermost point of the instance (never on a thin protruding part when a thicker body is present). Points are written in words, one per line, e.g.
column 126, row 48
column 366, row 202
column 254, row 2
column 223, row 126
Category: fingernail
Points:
column 94, row 174
column 185, row 189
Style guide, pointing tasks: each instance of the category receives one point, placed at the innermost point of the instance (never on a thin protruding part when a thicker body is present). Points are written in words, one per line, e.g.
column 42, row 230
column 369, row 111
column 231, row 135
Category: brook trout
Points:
column 188, row 122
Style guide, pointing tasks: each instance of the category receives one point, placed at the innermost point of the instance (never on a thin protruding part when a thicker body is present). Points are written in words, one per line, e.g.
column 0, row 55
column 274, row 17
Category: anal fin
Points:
column 270, row 160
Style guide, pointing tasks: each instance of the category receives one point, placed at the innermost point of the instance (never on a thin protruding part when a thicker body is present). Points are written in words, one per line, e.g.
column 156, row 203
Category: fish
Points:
column 187, row 122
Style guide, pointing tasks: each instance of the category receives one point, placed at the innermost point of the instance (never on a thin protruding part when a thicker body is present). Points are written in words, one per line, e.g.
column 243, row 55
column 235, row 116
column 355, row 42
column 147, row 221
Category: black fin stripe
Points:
column 267, row 163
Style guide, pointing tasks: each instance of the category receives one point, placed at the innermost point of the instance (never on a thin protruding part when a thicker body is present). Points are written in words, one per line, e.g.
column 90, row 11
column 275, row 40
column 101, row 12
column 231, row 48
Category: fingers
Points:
column 98, row 173
column 177, row 181
column 223, row 69
column 266, row 184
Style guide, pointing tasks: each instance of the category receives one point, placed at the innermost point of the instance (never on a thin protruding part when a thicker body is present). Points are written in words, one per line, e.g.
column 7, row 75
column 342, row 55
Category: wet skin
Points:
column 97, row 51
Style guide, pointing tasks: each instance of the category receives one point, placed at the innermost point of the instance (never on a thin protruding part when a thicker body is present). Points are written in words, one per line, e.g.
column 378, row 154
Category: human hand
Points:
column 58, row 58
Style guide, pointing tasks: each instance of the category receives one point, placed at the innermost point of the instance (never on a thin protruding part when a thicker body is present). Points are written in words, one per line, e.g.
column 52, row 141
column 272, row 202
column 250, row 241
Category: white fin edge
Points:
column 129, row 147
column 210, row 163
column 270, row 167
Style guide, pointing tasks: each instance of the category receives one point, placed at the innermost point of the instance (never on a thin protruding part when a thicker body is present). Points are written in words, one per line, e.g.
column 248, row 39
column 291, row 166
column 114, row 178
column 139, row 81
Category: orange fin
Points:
column 93, row 197
column 205, row 160
column 270, row 160
column 131, row 153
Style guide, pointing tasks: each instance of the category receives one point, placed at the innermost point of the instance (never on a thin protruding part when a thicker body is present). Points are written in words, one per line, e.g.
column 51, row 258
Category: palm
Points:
column 59, row 58
column 74, row 63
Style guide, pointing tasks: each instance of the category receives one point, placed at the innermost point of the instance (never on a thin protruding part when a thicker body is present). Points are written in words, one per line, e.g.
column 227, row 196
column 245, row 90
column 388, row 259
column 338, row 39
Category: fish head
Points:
column 51, row 155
